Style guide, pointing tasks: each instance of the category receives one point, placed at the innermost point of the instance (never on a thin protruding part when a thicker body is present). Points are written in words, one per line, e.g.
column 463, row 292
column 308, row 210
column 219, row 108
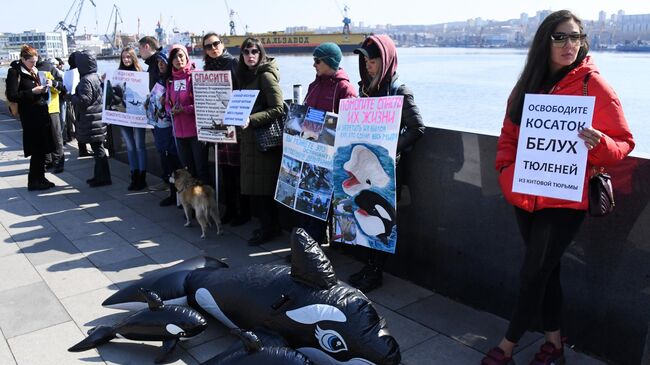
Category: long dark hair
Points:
column 536, row 73
column 242, row 68
column 135, row 65
column 207, row 58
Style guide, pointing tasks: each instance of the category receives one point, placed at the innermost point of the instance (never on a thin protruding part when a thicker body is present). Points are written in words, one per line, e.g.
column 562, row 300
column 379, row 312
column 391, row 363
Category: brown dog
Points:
column 194, row 195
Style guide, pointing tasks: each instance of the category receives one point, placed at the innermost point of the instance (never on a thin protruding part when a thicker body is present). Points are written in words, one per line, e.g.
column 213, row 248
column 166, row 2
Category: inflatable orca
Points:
column 376, row 216
column 167, row 323
column 365, row 171
column 168, row 284
column 258, row 348
column 326, row 320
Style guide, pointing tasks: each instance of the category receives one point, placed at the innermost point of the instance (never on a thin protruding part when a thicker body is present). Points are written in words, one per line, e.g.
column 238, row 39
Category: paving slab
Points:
column 47, row 346
column 29, row 308
column 441, row 350
column 124, row 273
column 125, row 352
column 7, row 244
column 168, row 249
column 396, row 293
column 48, row 248
column 19, row 270
column 408, row 333
column 76, row 224
column 6, row 357
column 134, row 228
column 68, row 278
column 87, row 312
column 212, row 348
column 474, row 328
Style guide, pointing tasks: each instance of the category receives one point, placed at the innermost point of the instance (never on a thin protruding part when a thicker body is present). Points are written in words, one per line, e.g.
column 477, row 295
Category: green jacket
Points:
column 259, row 170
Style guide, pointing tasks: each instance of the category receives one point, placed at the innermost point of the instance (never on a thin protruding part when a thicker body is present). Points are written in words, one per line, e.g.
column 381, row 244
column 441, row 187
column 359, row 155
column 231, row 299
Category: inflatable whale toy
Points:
column 326, row 320
column 167, row 283
column 160, row 322
column 259, row 347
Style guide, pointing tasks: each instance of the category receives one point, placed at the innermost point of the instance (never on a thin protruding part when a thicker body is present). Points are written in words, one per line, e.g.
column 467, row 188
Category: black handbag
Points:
column 269, row 136
column 601, row 195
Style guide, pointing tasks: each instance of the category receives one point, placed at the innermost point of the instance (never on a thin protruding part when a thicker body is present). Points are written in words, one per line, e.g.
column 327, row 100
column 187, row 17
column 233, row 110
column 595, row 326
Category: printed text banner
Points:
column 240, row 107
column 364, row 172
column 551, row 158
column 212, row 90
column 125, row 96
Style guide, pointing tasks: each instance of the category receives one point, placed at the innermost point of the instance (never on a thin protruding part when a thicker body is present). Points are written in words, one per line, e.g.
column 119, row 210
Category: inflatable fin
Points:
column 251, row 342
column 96, row 336
column 167, row 347
column 153, row 299
column 309, row 265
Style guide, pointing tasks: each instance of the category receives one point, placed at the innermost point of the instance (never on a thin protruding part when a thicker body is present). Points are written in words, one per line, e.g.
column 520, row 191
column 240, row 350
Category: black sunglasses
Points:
column 214, row 44
column 317, row 60
column 253, row 51
column 560, row 39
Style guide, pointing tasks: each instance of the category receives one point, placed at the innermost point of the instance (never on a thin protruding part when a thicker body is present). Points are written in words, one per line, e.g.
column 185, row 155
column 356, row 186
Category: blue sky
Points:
column 259, row 15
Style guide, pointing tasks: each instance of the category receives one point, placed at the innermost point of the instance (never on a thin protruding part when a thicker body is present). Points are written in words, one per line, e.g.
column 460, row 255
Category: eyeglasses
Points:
column 253, row 51
column 560, row 39
column 214, row 44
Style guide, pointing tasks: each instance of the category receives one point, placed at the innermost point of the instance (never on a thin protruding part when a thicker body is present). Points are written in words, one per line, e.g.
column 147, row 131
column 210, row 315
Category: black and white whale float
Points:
column 321, row 317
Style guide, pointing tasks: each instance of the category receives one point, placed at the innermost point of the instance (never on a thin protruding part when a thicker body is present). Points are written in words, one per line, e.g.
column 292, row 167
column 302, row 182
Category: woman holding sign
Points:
column 259, row 170
column 557, row 64
column 180, row 104
column 217, row 58
column 136, row 150
column 378, row 70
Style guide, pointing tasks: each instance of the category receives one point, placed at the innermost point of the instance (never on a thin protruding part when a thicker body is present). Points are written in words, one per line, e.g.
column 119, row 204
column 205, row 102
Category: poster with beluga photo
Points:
column 364, row 172
column 125, row 96
column 307, row 161
column 212, row 91
column 551, row 158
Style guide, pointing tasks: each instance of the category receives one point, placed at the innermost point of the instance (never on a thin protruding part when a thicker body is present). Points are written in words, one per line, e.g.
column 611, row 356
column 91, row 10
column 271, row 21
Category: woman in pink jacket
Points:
column 180, row 104
column 557, row 64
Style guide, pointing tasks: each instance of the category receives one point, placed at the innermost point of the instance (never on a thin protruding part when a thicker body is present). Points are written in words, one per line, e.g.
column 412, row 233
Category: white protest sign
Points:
column 211, row 95
column 125, row 96
column 551, row 159
column 240, row 106
column 71, row 80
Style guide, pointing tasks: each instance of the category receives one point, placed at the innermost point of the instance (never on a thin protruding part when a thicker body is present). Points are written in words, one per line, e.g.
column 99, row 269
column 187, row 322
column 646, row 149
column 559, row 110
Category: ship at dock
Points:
column 293, row 41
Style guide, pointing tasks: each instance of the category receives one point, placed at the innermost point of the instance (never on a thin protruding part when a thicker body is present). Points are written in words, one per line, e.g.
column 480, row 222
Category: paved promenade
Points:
column 64, row 250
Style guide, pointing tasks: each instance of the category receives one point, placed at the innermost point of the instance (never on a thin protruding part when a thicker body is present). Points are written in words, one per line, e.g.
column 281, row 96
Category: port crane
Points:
column 116, row 41
column 231, row 15
column 70, row 26
column 346, row 20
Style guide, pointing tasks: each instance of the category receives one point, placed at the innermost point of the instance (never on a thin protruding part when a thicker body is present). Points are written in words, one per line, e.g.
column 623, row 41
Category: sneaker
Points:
column 496, row 357
column 549, row 355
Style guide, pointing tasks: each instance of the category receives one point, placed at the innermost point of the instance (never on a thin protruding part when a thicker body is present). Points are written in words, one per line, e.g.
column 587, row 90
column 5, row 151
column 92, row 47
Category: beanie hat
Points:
column 330, row 53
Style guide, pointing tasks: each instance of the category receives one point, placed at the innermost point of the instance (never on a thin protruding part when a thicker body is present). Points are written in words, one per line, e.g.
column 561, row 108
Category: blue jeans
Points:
column 135, row 147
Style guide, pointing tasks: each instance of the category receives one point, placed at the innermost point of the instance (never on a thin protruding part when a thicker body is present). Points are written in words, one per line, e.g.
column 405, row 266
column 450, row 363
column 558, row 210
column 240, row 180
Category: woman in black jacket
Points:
column 378, row 69
column 24, row 88
column 90, row 128
column 217, row 58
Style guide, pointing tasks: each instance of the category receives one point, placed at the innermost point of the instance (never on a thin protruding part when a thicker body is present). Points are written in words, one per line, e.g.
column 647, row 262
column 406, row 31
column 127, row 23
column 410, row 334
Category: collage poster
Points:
column 305, row 180
column 212, row 91
column 364, row 198
column 125, row 95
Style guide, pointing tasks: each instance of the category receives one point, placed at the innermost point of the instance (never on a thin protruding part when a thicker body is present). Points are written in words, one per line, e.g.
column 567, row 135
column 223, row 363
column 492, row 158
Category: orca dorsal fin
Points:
column 249, row 339
column 153, row 299
column 309, row 265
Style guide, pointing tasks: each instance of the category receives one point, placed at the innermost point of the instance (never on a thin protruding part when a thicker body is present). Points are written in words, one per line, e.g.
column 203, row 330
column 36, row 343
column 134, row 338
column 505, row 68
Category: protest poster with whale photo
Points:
column 364, row 172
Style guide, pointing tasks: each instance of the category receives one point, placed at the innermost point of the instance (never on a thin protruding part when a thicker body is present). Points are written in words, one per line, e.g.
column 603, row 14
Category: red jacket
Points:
column 608, row 118
column 326, row 91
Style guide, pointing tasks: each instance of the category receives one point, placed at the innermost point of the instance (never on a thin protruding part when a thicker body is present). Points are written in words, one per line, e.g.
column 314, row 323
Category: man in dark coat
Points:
column 90, row 128
column 149, row 50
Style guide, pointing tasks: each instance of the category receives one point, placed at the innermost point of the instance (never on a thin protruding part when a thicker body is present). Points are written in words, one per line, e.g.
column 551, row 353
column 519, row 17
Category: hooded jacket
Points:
column 259, row 170
column 34, row 117
column 326, row 91
column 153, row 70
column 88, row 100
column 411, row 125
column 179, row 91
column 608, row 118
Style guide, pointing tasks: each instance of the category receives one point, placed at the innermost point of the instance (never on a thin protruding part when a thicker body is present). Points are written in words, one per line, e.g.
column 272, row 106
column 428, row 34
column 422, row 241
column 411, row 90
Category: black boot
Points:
column 141, row 180
column 371, row 280
column 171, row 199
column 357, row 276
column 102, row 173
column 134, row 180
column 83, row 150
